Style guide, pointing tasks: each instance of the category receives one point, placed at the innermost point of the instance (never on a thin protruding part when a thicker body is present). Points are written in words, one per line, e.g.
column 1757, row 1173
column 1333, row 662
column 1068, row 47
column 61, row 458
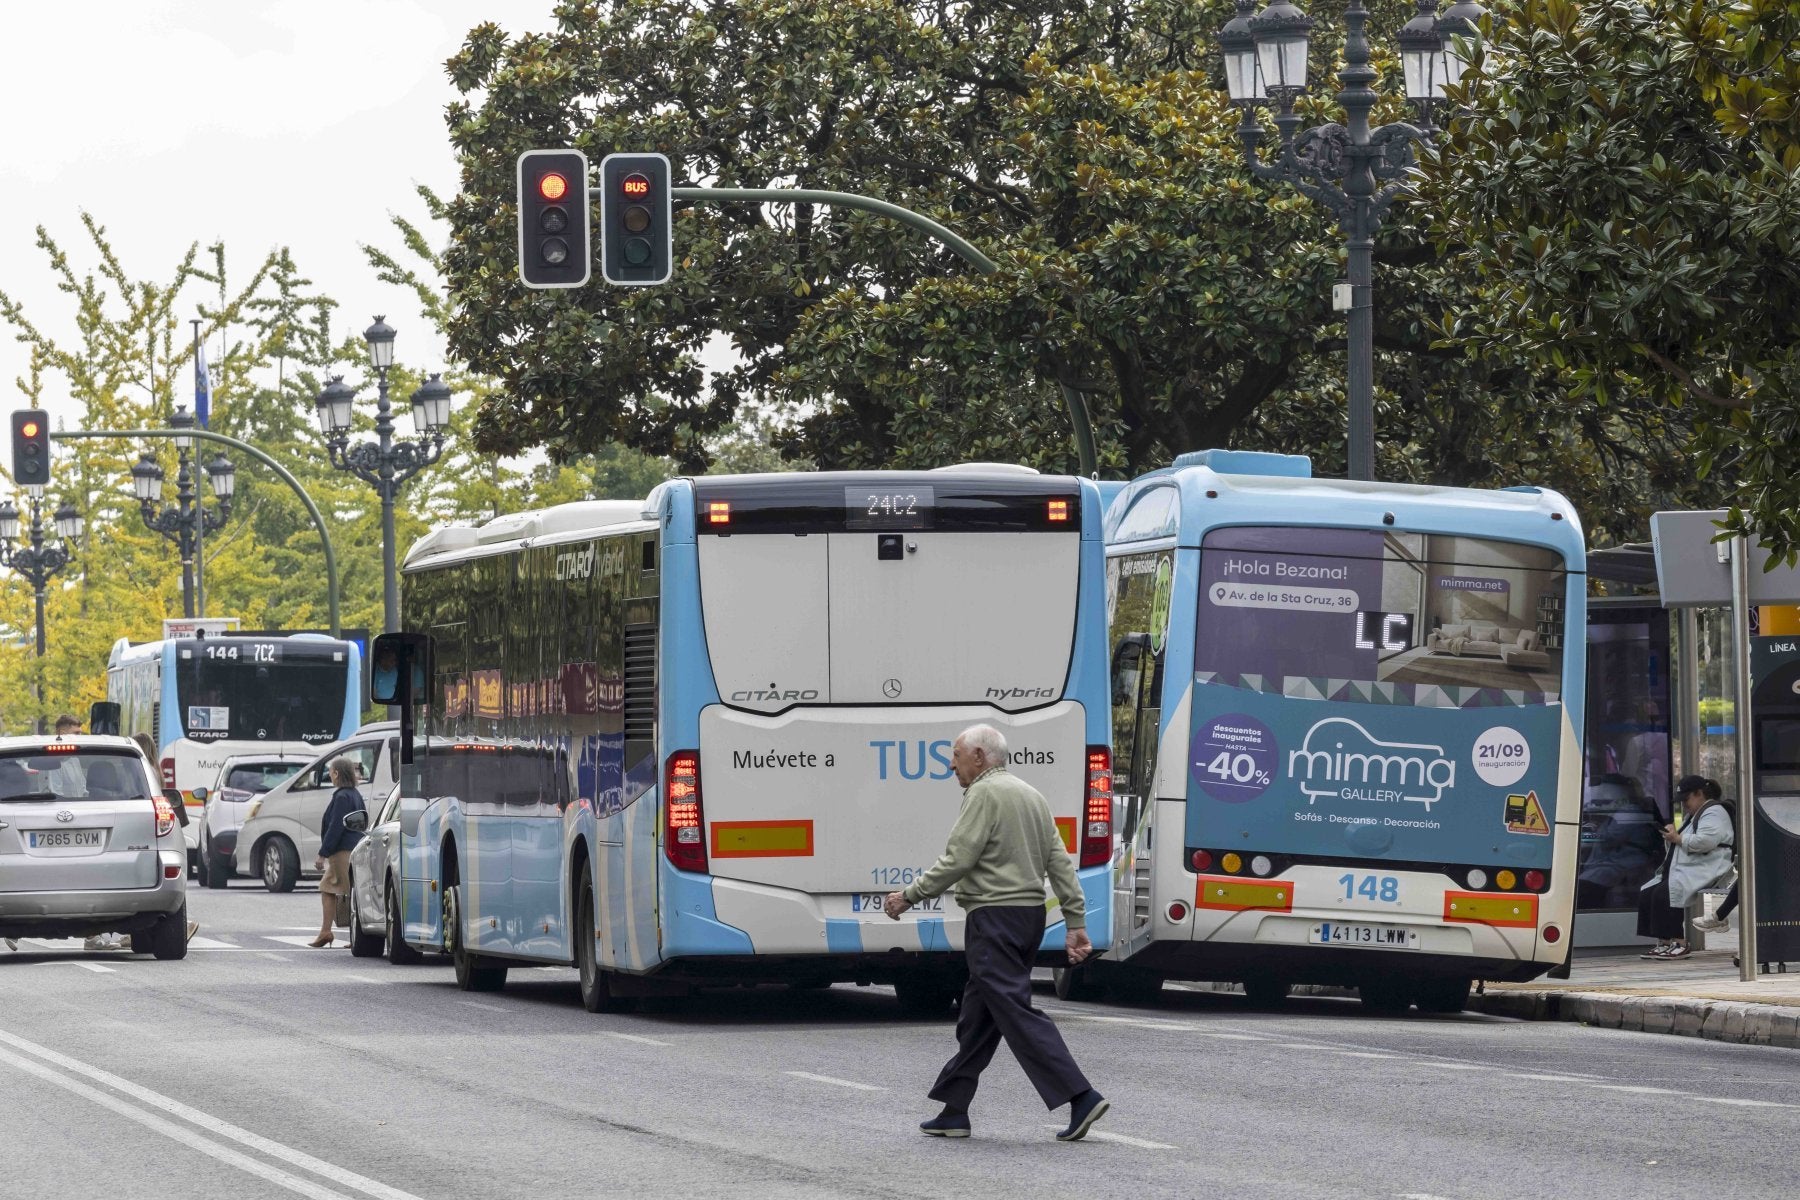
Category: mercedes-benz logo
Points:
column 891, row 688
column 65, row 816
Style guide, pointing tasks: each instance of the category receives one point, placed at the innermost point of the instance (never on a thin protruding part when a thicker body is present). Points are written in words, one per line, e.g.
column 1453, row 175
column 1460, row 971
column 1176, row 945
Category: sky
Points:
column 258, row 123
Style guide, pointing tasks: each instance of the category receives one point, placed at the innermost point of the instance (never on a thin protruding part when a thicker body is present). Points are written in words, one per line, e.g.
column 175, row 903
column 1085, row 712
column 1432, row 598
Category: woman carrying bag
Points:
column 335, row 844
column 1699, row 857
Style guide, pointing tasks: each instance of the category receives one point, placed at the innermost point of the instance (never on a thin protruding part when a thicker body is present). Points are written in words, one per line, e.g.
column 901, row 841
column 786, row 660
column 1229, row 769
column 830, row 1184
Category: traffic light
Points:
column 553, row 219
column 636, row 245
column 31, row 447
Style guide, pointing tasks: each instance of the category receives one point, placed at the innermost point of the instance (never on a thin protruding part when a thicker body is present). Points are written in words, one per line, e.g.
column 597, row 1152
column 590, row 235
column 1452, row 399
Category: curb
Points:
column 1715, row 1020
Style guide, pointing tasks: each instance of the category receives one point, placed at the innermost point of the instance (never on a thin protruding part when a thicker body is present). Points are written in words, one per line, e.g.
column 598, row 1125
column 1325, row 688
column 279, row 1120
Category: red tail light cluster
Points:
column 684, row 837
column 165, row 816
column 168, row 772
column 1096, row 832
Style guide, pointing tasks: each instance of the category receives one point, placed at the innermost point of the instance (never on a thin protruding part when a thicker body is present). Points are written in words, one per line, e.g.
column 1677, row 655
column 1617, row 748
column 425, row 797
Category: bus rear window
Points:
column 1318, row 612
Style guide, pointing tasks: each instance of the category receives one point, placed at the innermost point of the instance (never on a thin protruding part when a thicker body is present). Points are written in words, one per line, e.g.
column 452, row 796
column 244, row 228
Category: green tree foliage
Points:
column 1624, row 180
column 1086, row 147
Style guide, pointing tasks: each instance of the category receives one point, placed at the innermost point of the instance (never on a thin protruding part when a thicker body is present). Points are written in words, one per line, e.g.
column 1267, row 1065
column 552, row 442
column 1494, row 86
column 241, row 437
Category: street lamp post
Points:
column 385, row 464
column 188, row 520
column 39, row 561
column 1354, row 171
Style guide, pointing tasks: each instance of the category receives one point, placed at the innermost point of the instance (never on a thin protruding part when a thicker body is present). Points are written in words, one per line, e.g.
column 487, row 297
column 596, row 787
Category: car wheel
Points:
column 168, row 937
column 398, row 952
column 362, row 943
column 201, row 873
column 140, row 943
column 597, row 994
column 219, row 870
column 280, row 864
column 472, row 975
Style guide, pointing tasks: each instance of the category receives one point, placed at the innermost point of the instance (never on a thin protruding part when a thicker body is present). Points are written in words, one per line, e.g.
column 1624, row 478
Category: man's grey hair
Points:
column 988, row 740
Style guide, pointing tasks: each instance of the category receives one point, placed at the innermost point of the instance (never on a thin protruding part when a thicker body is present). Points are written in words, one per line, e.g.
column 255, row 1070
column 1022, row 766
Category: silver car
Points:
column 279, row 839
column 242, row 778
column 89, row 845
column 374, row 883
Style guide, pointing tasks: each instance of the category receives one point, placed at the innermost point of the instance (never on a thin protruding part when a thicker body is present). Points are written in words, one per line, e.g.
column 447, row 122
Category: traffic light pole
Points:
column 1079, row 419
column 206, row 435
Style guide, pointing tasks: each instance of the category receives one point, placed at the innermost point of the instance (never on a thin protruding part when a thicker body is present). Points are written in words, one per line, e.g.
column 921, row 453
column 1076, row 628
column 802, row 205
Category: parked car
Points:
column 89, row 844
column 374, row 885
column 279, row 839
column 242, row 778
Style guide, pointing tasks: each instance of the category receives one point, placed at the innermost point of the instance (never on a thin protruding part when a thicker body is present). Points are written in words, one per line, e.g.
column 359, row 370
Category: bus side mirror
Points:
column 399, row 668
column 104, row 717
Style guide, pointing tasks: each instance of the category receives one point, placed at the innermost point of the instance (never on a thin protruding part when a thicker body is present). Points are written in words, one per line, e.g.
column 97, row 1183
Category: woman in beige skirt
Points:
column 335, row 844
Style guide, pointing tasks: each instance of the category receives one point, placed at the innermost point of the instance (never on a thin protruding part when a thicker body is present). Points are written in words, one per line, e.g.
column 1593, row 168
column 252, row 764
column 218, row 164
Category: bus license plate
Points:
column 65, row 839
column 872, row 902
column 1381, row 937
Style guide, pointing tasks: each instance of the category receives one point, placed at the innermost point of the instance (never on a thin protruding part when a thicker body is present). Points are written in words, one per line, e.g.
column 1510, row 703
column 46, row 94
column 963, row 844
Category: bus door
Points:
column 1140, row 586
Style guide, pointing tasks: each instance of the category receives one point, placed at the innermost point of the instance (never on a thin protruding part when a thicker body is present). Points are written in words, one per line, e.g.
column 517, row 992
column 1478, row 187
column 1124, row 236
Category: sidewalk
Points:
column 1697, row 996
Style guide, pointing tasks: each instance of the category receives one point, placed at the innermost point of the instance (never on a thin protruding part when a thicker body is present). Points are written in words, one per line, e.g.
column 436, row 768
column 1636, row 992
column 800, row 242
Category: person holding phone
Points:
column 1001, row 849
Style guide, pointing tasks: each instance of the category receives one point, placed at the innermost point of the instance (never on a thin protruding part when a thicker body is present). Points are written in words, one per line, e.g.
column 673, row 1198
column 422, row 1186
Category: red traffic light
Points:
column 553, row 186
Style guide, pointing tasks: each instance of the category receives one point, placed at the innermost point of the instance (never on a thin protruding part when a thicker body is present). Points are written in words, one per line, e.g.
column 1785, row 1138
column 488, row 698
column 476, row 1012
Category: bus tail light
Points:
column 1202, row 860
column 165, row 816
column 1096, row 833
column 1552, row 934
column 168, row 772
column 683, row 839
column 1177, row 912
column 1534, row 880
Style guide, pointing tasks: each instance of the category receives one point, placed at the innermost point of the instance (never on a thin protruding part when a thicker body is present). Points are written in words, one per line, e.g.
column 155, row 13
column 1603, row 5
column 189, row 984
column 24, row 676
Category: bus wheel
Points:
column 1076, row 983
column 1386, row 997
column 1265, row 991
column 471, row 976
column 924, row 996
column 280, row 864
column 1441, row 995
column 597, row 995
column 398, row 952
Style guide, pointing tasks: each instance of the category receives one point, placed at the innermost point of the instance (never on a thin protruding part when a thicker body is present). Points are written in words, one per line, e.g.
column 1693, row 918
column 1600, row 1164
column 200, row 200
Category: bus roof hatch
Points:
column 1249, row 462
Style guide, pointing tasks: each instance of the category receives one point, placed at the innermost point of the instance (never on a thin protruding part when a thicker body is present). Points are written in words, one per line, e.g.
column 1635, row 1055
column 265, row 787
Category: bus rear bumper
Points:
column 1222, row 962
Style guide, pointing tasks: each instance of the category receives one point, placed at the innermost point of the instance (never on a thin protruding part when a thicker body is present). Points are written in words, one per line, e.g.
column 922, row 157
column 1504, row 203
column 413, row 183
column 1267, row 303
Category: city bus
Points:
column 202, row 699
column 1346, row 720
column 696, row 739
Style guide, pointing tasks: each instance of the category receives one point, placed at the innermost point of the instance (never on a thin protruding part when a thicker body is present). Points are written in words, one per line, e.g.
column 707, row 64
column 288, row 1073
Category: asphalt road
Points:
column 258, row 1067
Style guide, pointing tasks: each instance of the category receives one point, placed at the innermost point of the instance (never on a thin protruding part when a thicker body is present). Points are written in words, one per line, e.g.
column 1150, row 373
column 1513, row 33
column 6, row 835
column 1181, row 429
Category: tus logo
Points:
column 1340, row 758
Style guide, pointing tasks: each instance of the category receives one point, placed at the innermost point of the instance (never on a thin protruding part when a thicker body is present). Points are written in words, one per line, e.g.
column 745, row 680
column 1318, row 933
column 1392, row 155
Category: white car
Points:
column 89, row 844
column 280, row 836
column 375, row 882
column 242, row 778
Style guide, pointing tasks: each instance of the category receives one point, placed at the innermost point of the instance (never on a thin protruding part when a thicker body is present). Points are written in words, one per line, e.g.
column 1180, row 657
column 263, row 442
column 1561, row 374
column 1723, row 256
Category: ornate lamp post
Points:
column 1354, row 171
column 188, row 520
column 385, row 464
column 38, row 561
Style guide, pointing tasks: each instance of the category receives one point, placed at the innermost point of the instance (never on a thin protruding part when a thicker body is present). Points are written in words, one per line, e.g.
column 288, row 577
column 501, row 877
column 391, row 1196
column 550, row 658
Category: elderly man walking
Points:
column 1002, row 847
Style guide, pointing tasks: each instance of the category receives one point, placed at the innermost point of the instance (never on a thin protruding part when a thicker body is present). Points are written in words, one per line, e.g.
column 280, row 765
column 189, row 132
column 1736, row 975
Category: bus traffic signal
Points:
column 636, row 219
column 554, row 245
column 31, row 447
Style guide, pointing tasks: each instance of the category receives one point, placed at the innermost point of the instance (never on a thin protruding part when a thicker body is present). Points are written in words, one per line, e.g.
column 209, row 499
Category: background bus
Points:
column 696, row 739
column 203, row 699
column 1346, row 719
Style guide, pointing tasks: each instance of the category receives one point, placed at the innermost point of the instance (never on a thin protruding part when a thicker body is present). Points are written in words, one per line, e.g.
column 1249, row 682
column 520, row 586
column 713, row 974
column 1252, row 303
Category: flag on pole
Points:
column 202, row 386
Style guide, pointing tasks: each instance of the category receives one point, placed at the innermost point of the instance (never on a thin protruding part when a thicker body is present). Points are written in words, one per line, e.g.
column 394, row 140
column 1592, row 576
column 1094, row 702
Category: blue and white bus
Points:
column 695, row 739
column 1346, row 720
column 202, row 699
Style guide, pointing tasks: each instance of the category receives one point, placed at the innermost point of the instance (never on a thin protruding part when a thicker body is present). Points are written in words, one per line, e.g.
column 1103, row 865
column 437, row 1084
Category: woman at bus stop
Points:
column 1699, row 856
column 335, row 844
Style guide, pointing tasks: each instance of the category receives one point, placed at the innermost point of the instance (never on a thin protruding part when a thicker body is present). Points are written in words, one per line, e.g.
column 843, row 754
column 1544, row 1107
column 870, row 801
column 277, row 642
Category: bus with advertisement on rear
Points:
column 694, row 740
column 203, row 698
column 1345, row 726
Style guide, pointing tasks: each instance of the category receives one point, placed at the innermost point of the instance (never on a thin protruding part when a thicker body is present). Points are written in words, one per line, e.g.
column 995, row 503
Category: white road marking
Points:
column 1417, row 1196
column 1744, row 1103
column 1637, row 1091
column 1363, row 1054
column 632, row 1037
column 206, row 1121
column 849, row 1083
column 271, row 954
column 296, row 940
column 1299, row 1046
column 97, row 968
column 205, row 943
column 1547, row 1078
column 1102, row 1135
column 483, row 1007
column 1453, row 1066
column 369, row 978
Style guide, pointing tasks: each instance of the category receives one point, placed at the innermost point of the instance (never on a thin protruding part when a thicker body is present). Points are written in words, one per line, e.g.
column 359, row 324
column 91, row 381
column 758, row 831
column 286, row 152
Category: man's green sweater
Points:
column 1003, row 845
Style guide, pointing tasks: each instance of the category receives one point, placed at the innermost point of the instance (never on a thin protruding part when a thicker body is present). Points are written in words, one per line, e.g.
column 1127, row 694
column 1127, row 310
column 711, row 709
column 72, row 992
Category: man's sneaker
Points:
column 942, row 1126
column 1087, row 1108
column 1710, row 924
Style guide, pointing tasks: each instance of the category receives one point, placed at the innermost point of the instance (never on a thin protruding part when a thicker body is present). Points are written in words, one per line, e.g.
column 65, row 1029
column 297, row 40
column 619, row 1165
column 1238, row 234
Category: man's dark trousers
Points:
column 1000, row 944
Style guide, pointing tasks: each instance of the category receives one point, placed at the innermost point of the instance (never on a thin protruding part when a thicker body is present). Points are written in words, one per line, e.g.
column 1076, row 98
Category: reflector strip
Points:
column 1065, row 827
column 762, row 839
column 1236, row 895
column 1487, row 908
